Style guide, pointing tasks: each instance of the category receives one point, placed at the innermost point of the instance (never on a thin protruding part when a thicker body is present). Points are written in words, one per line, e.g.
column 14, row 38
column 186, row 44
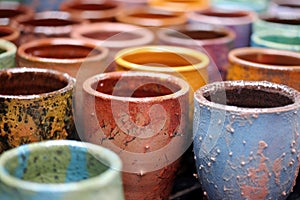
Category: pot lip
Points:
column 261, row 85
column 184, row 86
column 232, row 57
column 61, row 41
column 62, row 76
column 145, row 36
column 204, row 60
column 175, row 18
column 99, row 181
column 164, row 35
column 13, row 35
column 179, row 6
column 9, row 47
column 291, row 2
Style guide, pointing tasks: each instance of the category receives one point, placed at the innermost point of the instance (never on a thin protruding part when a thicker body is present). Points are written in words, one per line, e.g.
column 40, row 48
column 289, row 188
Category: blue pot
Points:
column 246, row 139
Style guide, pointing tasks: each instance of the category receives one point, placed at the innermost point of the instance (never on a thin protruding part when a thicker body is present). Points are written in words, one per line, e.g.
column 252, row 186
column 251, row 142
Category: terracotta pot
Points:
column 215, row 41
column 7, row 54
column 9, row 33
column 115, row 36
column 239, row 21
column 246, row 139
column 277, row 66
column 178, row 5
column 258, row 6
column 10, row 10
column 131, row 3
column 284, row 8
column 92, row 10
column 60, row 170
column 144, row 118
column 36, row 104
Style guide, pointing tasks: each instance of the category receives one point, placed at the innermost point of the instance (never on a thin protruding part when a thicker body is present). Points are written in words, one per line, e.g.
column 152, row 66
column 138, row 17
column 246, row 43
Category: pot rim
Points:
column 9, row 47
column 179, row 6
column 261, row 85
column 60, row 75
column 144, row 35
column 94, row 182
column 232, row 57
column 204, row 60
column 12, row 35
column 262, row 20
column 183, row 90
column 61, row 41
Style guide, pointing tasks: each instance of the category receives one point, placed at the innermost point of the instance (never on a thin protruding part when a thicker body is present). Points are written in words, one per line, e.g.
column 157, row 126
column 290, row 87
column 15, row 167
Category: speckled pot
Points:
column 9, row 10
column 9, row 33
column 35, row 104
column 144, row 118
column 246, row 139
column 258, row 64
column 179, row 6
column 60, row 170
column 284, row 7
column 239, row 21
column 7, row 54
column 258, row 6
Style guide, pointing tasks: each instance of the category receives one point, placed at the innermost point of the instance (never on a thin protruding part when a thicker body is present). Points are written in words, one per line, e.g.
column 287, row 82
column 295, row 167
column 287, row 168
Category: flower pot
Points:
column 239, row 21
column 258, row 6
column 215, row 41
column 284, row 8
column 242, row 150
column 178, row 5
column 257, row 64
column 10, row 10
column 36, row 104
column 9, row 33
column 92, row 10
column 7, row 54
column 143, row 117
column 60, row 170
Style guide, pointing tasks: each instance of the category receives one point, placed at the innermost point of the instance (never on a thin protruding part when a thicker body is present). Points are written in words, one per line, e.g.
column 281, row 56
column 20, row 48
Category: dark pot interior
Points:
column 152, row 15
column 295, row 21
column 2, row 50
column 49, row 22
column 103, row 35
column 231, row 14
column 9, row 13
column 289, row 5
column 5, row 32
column 198, row 34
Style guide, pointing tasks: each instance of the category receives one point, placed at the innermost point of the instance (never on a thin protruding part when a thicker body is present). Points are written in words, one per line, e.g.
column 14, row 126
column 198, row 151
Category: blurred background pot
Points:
column 178, row 5
column 9, row 33
column 246, row 139
column 60, row 170
column 131, row 3
column 258, row 6
column 284, row 8
column 7, row 54
column 9, row 10
column 277, row 66
column 36, row 104
column 40, row 6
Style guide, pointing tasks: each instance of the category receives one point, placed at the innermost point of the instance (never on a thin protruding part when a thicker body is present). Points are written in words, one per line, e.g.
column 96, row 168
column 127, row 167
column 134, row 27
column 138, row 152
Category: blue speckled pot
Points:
column 60, row 170
column 247, row 142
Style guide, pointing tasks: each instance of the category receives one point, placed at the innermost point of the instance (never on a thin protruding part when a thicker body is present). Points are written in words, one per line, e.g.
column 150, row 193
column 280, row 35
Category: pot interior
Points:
column 295, row 21
column 93, row 6
column 198, row 34
column 289, row 5
column 2, row 50
column 10, row 13
column 152, row 15
column 5, row 32
column 30, row 83
column 232, row 14
column 49, row 22
column 118, row 35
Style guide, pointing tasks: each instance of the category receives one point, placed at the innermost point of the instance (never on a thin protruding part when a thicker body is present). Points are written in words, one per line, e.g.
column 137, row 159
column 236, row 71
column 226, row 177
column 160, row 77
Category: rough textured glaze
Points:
column 242, row 150
column 7, row 54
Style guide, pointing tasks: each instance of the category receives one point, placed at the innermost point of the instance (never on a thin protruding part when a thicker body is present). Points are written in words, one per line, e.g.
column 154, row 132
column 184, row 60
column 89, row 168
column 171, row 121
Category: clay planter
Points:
column 9, row 10
column 144, row 118
column 239, row 21
column 258, row 6
column 36, row 104
column 7, row 54
column 60, row 170
column 9, row 33
column 179, row 6
column 92, row 10
column 246, row 139
column 277, row 66
column 284, row 8
column 215, row 41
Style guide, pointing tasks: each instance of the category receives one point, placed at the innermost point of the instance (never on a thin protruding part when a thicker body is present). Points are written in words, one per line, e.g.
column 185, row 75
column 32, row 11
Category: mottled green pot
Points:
column 7, row 54
column 60, row 170
column 35, row 105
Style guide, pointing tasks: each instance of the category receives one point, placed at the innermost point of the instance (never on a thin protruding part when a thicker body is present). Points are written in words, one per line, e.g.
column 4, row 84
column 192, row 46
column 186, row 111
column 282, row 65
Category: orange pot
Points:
column 179, row 5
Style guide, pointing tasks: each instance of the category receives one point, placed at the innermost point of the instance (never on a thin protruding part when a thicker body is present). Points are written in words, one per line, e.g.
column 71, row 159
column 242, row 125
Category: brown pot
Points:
column 9, row 10
column 9, row 33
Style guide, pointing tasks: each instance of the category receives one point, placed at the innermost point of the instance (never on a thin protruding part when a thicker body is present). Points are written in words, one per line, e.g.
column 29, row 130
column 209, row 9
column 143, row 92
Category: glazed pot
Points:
column 115, row 36
column 215, row 41
column 92, row 10
column 60, row 170
column 239, row 21
column 9, row 10
column 9, row 33
column 284, row 8
column 40, row 6
column 242, row 150
column 258, row 6
column 36, row 104
column 272, row 65
column 7, row 54
column 143, row 117
column 179, row 6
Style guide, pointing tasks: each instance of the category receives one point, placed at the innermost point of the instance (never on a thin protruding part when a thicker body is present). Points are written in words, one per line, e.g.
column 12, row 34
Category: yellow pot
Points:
column 179, row 5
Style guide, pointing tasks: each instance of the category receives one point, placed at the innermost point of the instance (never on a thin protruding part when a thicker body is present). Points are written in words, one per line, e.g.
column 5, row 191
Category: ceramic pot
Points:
column 45, row 24
column 9, row 10
column 92, row 10
column 215, row 41
column 275, row 41
column 179, row 6
column 9, row 33
column 258, row 6
column 284, row 8
column 131, row 3
column 115, row 36
column 242, row 150
column 36, row 104
column 40, row 6
column 143, row 117
column 239, row 21
column 60, row 170
column 272, row 65
column 7, row 54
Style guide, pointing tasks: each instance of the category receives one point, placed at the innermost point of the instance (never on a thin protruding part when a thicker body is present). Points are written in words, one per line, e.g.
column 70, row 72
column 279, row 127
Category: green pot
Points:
column 7, row 54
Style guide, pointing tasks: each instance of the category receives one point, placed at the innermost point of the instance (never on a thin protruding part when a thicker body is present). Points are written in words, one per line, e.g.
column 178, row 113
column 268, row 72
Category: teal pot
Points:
column 39, row 6
column 246, row 139
column 275, row 41
column 10, row 10
column 258, row 6
column 9, row 33
column 7, row 54
column 60, row 170
column 239, row 21
column 284, row 7
column 35, row 104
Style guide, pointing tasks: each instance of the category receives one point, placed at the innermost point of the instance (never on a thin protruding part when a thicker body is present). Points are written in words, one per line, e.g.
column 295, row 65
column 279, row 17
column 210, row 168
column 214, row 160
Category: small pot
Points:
column 256, row 64
column 10, row 10
column 258, row 6
column 284, row 8
column 9, row 33
column 239, row 21
column 36, row 104
column 246, row 139
column 92, row 10
column 179, row 6
column 131, row 3
column 40, row 6
column 7, row 54
column 60, row 170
